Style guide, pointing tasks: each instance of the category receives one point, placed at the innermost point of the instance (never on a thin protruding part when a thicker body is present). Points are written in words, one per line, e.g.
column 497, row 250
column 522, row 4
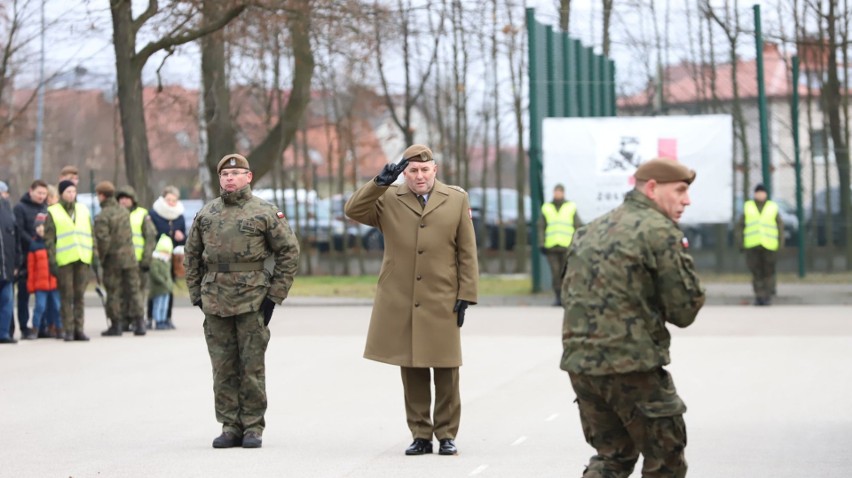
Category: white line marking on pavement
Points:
column 552, row 417
column 479, row 469
column 519, row 441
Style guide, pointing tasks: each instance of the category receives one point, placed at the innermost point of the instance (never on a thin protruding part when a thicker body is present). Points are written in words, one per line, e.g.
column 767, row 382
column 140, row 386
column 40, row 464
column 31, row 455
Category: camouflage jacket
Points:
column 239, row 228
column 627, row 275
column 114, row 237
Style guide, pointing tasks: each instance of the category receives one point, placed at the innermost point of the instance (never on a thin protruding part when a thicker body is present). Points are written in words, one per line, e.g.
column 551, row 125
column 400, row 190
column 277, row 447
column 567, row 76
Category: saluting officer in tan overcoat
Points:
column 428, row 278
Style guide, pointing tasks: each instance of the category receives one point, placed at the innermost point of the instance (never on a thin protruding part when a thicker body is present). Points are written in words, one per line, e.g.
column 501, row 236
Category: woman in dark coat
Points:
column 167, row 215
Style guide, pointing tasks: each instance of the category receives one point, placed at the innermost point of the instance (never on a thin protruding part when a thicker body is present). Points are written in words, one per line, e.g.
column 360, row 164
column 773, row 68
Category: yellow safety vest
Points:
column 560, row 224
column 73, row 236
column 137, row 218
column 761, row 227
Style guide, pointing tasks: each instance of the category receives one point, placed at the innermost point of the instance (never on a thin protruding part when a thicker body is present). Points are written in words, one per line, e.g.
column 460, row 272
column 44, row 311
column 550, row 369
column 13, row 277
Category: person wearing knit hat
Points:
column 760, row 234
column 70, row 249
column 117, row 256
column 628, row 276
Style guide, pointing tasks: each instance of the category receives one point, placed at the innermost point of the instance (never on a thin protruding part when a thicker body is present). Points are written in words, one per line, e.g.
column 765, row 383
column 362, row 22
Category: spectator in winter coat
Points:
column 32, row 204
column 42, row 284
column 167, row 214
column 10, row 261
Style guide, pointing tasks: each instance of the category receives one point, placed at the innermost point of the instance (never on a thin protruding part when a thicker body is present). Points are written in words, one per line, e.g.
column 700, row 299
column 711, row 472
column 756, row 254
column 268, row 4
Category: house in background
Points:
column 691, row 89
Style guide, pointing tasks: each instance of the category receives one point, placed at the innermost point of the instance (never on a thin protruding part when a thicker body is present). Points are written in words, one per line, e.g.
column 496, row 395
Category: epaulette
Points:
column 457, row 188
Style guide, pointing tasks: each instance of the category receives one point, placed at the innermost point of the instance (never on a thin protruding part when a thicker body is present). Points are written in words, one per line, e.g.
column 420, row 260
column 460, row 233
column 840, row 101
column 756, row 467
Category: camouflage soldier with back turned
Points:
column 224, row 258
column 627, row 276
column 114, row 243
column 144, row 240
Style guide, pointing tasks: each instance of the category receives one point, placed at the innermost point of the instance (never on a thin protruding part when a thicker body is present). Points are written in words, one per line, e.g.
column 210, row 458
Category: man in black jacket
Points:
column 10, row 261
column 32, row 203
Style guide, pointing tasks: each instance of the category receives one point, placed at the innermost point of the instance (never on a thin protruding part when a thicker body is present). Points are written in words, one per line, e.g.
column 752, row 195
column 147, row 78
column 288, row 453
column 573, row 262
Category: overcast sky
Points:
column 83, row 37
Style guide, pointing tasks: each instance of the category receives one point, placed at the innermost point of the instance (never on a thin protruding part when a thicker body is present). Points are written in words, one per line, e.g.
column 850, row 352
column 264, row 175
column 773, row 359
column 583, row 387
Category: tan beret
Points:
column 106, row 188
column 417, row 153
column 664, row 171
column 232, row 161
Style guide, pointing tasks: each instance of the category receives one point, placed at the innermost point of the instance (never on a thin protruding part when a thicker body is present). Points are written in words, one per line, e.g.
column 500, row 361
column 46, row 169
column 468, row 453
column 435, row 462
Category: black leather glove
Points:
column 198, row 304
column 54, row 269
column 267, row 307
column 390, row 172
column 460, row 307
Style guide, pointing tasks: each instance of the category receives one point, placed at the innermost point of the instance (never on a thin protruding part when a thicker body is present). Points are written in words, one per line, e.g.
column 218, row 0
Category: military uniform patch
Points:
column 233, row 162
column 685, row 242
column 280, row 215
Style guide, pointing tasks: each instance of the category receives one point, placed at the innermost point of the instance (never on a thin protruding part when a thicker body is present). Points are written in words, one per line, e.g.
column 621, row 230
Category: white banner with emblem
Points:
column 595, row 158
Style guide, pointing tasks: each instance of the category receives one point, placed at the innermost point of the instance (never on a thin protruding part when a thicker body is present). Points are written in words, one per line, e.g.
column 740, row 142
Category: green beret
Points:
column 417, row 153
column 664, row 171
column 232, row 161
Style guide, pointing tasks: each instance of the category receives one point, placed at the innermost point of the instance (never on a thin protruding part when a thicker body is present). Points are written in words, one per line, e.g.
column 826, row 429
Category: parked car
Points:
column 818, row 219
column 487, row 226
column 371, row 238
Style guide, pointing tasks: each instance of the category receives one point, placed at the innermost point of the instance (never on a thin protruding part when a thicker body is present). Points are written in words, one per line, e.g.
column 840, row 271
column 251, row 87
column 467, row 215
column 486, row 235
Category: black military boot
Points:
column 227, row 440
column 114, row 330
column 141, row 329
column 252, row 440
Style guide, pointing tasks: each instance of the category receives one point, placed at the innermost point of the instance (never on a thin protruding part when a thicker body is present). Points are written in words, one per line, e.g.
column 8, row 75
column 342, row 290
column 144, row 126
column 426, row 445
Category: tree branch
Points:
column 188, row 36
column 149, row 12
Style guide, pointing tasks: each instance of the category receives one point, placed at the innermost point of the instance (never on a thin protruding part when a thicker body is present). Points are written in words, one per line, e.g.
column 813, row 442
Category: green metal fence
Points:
column 567, row 80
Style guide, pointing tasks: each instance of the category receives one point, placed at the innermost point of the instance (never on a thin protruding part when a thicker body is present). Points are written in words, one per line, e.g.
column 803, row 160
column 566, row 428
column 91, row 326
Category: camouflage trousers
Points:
column 71, row 282
column 237, row 347
column 557, row 257
column 123, row 293
column 761, row 263
column 624, row 415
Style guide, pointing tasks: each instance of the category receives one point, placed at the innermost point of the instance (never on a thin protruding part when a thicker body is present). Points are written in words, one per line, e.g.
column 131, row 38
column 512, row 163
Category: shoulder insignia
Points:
column 457, row 188
column 280, row 215
column 685, row 242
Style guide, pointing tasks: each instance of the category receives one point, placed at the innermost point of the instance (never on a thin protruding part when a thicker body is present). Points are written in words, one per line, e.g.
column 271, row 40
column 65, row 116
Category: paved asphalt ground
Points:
column 767, row 389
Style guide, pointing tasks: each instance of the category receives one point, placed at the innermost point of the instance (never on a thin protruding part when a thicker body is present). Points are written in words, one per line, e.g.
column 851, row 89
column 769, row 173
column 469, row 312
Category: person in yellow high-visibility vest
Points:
column 70, row 248
column 760, row 234
column 559, row 220
column 144, row 241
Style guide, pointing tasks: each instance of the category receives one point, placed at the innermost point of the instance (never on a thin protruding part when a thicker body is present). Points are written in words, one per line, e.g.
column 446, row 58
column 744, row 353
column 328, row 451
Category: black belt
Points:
column 235, row 267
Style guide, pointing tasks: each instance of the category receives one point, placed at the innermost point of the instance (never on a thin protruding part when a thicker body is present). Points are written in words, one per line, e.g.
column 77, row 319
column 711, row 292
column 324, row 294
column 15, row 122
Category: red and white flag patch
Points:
column 280, row 215
column 685, row 242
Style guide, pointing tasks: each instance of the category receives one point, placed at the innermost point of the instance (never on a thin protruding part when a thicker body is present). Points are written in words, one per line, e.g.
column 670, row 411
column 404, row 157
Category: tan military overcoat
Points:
column 429, row 263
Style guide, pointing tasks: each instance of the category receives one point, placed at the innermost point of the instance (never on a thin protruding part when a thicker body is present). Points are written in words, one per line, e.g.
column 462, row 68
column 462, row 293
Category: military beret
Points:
column 664, row 171
column 106, row 188
column 232, row 161
column 417, row 153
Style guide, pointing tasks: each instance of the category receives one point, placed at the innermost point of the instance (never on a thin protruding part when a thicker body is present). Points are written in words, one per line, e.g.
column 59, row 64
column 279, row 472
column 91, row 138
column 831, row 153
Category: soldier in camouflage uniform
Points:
column 224, row 258
column 627, row 276
column 114, row 243
column 144, row 241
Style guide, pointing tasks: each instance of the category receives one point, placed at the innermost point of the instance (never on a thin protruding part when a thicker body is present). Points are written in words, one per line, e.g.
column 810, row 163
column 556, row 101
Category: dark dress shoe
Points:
column 81, row 337
column 420, row 446
column 252, row 440
column 448, row 447
column 227, row 440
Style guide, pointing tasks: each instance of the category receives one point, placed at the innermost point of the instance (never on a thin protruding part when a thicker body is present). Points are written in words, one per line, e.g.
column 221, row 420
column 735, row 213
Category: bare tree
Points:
column 129, row 63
